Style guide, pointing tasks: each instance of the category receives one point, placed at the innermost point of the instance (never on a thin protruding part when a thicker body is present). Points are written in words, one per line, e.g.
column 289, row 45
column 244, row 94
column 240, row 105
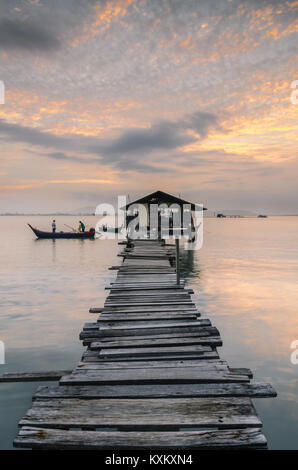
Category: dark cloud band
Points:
column 124, row 152
column 16, row 34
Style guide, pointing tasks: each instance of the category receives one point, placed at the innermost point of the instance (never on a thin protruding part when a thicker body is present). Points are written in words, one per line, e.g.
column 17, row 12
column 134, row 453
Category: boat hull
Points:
column 68, row 235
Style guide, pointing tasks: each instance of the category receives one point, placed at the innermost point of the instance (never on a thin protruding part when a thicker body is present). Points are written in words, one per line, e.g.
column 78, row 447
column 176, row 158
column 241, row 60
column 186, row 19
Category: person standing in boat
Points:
column 54, row 226
column 81, row 226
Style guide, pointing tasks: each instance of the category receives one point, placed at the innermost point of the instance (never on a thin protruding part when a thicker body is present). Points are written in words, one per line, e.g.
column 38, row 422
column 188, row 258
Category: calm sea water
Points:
column 245, row 278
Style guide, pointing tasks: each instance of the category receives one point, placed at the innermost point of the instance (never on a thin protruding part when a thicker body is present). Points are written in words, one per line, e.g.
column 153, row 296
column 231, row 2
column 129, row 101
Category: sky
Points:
column 125, row 97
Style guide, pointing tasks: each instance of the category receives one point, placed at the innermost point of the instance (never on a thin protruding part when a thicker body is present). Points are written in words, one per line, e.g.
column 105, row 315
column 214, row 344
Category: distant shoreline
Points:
column 47, row 215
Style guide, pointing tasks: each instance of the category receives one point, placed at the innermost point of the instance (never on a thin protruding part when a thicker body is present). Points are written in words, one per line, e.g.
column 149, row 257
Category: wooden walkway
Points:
column 151, row 376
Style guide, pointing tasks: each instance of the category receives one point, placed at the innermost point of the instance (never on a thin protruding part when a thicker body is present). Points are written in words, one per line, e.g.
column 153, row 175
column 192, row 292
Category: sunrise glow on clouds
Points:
column 129, row 96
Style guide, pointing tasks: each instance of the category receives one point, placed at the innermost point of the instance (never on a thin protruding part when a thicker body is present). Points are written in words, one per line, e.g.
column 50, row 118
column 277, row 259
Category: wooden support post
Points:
column 33, row 376
column 177, row 262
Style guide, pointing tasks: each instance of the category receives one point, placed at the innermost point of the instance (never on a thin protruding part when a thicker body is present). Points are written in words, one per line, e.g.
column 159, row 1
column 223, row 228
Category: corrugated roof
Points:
column 159, row 197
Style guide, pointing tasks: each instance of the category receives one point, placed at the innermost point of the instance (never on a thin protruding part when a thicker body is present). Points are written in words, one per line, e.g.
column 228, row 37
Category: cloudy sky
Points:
column 129, row 96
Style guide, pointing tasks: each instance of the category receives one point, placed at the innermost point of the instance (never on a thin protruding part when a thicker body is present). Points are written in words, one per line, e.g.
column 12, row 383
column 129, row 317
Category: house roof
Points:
column 159, row 197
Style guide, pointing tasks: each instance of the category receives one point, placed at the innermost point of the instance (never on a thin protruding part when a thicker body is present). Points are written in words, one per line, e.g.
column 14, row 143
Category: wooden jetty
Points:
column 151, row 376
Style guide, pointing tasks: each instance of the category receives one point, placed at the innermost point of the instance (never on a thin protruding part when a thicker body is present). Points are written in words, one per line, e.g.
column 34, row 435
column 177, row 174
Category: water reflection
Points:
column 246, row 277
column 53, row 250
column 189, row 265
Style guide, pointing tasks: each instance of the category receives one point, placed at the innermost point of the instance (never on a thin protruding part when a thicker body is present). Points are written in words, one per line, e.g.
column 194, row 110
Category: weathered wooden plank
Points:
column 167, row 308
column 96, row 367
column 132, row 287
column 162, row 300
column 34, row 438
column 132, row 255
column 100, row 309
column 141, row 266
column 167, row 279
column 145, row 256
column 175, row 356
column 145, row 310
column 151, row 292
column 151, row 308
column 152, row 351
column 157, row 303
column 130, row 323
column 208, row 364
column 252, row 389
column 149, row 263
column 143, row 281
column 146, row 284
column 33, row 376
column 168, row 269
column 107, row 324
column 90, row 336
column 151, row 254
column 141, row 414
column 128, row 267
column 156, row 309
column 214, row 341
column 142, row 339
column 131, row 277
column 153, row 325
column 125, row 278
column 130, row 262
column 146, row 316
column 145, row 249
column 148, row 297
column 153, row 281
column 134, row 266
column 166, row 273
column 154, row 268
column 241, row 370
column 139, row 280
column 127, row 270
column 150, row 376
column 125, row 292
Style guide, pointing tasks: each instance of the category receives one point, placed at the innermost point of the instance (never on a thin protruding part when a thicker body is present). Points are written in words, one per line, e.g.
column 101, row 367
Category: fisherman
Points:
column 81, row 226
column 54, row 226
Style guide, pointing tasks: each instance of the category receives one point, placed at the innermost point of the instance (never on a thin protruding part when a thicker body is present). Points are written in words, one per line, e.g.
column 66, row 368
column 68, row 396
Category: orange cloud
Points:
column 15, row 187
column 104, row 15
column 29, row 106
column 67, row 117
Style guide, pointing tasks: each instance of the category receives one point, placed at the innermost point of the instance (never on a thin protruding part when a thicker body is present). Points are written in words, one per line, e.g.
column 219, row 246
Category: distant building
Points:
column 163, row 200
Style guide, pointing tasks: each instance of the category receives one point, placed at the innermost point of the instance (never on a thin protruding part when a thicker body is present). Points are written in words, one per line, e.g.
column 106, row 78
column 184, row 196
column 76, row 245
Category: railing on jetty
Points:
column 151, row 376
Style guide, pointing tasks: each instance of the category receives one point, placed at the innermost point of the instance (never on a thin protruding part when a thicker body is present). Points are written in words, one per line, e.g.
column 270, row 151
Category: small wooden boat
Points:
column 80, row 235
